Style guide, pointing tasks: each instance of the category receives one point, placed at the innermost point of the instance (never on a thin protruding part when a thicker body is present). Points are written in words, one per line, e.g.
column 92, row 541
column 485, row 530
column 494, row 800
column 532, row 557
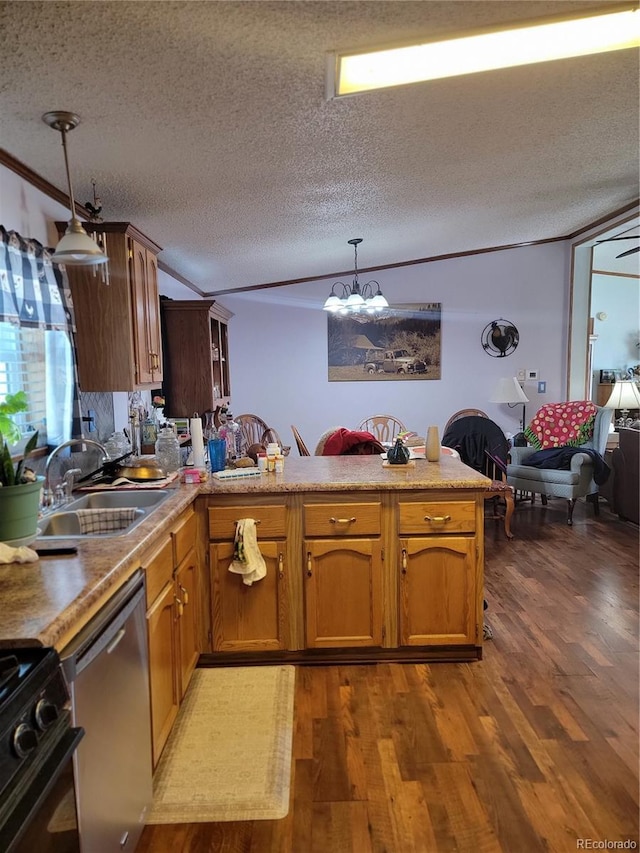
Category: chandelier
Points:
column 355, row 300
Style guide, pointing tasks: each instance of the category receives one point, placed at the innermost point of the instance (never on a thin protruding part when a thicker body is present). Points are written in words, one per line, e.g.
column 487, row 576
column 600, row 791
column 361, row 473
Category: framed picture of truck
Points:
column 405, row 345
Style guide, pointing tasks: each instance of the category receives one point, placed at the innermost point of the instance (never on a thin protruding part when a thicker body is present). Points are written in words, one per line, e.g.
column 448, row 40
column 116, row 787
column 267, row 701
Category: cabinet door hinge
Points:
column 210, row 638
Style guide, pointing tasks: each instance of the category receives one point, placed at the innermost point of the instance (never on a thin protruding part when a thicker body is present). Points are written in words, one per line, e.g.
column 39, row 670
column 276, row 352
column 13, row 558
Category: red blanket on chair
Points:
column 562, row 425
column 347, row 442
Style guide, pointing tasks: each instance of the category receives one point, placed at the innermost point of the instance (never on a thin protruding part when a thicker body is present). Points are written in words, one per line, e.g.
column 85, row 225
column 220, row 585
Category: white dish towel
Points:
column 247, row 559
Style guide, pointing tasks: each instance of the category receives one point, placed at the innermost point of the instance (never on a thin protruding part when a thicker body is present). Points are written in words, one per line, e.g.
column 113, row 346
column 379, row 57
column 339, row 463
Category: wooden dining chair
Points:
column 487, row 451
column 252, row 430
column 303, row 450
column 464, row 413
column 384, row 427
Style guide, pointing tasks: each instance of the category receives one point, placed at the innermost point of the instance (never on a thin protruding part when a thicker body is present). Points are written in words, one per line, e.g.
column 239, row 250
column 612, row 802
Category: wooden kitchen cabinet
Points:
column 438, row 573
column 249, row 618
column 352, row 574
column 343, row 574
column 172, row 589
column 117, row 311
column 196, row 356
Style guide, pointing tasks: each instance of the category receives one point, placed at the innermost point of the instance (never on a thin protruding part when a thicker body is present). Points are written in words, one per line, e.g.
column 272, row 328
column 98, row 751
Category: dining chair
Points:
column 384, row 427
column 252, row 430
column 465, row 413
column 483, row 446
column 303, row 450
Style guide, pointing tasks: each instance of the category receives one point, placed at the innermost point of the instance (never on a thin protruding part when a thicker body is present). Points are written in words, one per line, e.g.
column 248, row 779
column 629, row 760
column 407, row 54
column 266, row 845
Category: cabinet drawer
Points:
column 184, row 535
column 159, row 570
column 342, row 519
column 270, row 521
column 437, row 517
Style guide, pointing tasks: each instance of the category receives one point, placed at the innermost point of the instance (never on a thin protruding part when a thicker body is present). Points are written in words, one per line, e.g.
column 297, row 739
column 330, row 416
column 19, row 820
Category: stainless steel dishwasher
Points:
column 106, row 667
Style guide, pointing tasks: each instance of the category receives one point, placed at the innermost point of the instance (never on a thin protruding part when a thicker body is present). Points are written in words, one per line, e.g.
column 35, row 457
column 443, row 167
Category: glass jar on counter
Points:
column 168, row 453
column 117, row 445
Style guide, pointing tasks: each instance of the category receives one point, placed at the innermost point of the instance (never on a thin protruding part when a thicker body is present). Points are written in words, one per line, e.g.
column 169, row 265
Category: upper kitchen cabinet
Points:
column 196, row 356
column 117, row 311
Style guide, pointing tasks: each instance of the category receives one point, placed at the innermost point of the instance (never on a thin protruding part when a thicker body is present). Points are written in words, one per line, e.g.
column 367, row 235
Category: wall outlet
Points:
column 521, row 375
column 542, row 387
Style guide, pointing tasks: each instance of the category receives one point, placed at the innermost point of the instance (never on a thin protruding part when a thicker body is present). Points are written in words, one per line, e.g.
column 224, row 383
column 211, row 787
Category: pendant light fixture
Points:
column 76, row 248
column 355, row 301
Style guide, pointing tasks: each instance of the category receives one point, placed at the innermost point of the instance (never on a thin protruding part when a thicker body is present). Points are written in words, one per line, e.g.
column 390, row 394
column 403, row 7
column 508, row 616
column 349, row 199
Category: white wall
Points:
column 278, row 344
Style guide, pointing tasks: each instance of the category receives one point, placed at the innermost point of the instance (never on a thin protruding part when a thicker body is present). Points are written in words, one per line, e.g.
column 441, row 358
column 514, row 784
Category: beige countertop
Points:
column 352, row 473
column 44, row 603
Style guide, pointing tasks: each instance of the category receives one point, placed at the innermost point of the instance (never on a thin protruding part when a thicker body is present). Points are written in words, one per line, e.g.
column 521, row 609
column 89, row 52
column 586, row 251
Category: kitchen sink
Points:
column 103, row 515
column 117, row 500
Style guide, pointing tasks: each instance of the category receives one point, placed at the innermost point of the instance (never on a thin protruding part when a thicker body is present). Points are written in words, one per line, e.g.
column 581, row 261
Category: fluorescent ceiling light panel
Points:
column 520, row 46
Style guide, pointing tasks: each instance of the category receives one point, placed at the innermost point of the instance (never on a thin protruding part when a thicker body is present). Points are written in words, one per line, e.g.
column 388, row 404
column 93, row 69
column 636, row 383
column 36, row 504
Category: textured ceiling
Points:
column 206, row 125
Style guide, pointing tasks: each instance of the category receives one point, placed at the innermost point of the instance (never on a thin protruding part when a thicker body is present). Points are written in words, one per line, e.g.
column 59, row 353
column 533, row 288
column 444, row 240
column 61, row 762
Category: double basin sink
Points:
column 100, row 514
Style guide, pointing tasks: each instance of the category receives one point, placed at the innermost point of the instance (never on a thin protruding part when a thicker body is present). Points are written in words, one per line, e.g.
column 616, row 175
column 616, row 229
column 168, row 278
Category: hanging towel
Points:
column 247, row 559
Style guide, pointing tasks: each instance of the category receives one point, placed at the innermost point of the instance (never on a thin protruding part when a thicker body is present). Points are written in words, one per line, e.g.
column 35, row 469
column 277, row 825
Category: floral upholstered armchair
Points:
column 565, row 455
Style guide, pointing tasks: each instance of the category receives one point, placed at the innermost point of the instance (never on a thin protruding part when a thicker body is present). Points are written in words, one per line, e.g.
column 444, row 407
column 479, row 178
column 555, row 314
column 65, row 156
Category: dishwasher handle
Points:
column 105, row 630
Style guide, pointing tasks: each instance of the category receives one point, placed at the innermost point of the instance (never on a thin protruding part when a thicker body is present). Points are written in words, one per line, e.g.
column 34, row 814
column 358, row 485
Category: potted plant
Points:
column 19, row 486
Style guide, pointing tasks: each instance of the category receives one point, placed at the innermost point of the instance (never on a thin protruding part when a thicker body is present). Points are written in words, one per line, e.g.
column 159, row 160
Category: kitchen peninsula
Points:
column 364, row 562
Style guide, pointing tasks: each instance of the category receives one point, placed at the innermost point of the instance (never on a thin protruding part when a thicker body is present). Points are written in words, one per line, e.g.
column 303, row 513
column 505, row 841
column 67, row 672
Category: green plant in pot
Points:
column 19, row 486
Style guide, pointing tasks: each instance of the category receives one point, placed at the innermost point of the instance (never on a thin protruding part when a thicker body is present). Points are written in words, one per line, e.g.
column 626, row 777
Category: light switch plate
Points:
column 521, row 375
column 542, row 387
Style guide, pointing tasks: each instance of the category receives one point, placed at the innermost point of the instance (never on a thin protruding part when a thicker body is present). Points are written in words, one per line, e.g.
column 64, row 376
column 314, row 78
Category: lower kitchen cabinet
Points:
column 249, row 618
column 438, row 559
column 172, row 624
column 343, row 593
column 343, row 573
column 351, row 575
column 437, row 591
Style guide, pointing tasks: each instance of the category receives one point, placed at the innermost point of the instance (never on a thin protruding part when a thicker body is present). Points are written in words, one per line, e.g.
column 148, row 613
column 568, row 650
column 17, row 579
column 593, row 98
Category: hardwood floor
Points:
column 534, row 748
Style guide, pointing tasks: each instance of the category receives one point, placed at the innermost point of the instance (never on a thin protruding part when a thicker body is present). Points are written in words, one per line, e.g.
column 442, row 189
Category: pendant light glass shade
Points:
column 360, row 303
column 76, row 248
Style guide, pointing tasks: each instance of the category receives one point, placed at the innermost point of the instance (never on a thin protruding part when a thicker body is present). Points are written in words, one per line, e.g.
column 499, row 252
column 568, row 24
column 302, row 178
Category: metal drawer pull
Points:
column 404, row 561
column 185, row 594
column 257, row 521
column 309, row 572
column 180, row 606
column 280, row 566
column 437, row 518
column 342, row 520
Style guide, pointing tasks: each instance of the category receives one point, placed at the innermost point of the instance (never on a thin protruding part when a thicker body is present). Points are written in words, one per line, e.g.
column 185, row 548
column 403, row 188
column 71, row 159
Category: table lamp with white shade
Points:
column 625, row 396
column 509, row 391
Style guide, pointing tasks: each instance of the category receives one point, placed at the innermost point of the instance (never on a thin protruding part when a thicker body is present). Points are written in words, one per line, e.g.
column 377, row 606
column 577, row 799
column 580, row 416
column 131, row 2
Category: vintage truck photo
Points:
column 393, row 361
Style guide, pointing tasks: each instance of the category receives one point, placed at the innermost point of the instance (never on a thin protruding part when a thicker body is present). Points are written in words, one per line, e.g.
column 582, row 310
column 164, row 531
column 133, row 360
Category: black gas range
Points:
column 37, row 741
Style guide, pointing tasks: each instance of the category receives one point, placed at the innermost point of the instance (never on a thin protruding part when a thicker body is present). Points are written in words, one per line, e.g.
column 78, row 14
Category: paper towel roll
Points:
column 197, row 442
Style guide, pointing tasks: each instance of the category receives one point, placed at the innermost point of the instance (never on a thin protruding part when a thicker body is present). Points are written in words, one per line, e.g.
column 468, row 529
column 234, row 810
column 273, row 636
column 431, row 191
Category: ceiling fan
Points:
column 629, row 251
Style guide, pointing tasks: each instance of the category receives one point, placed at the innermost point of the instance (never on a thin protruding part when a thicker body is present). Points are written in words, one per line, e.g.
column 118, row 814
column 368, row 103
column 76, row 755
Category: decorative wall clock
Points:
column 500, row 338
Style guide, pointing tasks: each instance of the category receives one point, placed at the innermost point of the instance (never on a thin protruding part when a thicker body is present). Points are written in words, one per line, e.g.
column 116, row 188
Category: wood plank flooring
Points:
column 534, row 748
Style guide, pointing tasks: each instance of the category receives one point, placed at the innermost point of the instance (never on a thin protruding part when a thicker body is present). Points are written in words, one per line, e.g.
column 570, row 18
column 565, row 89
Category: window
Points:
column 36, row 340
column 39, row 362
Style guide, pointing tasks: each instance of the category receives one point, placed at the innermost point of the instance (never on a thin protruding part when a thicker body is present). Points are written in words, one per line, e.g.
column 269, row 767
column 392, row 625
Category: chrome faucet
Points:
column 49, row 497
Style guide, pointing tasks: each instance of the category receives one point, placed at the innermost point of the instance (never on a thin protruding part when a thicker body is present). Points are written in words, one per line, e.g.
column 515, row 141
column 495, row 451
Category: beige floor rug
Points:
column 229, row 754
